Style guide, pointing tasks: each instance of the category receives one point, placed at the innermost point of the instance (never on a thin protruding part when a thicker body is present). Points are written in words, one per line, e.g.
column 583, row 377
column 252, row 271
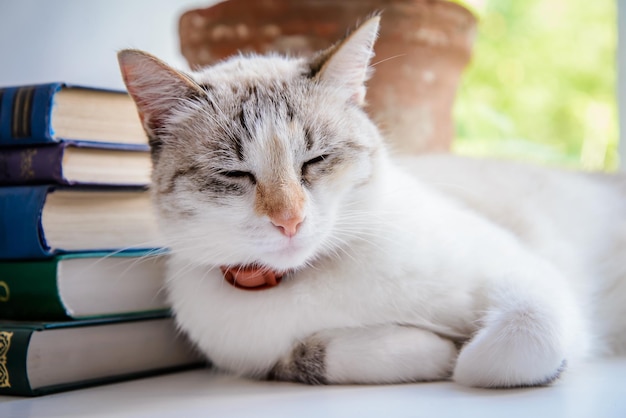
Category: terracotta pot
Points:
column 423, row 48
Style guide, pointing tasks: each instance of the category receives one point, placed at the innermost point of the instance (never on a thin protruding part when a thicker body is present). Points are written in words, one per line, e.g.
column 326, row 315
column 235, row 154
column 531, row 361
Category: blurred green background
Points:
column 542, row 83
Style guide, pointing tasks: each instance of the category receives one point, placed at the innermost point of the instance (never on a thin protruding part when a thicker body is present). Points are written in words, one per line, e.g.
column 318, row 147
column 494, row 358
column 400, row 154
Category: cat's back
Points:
column 489, row 184
column 561, row 213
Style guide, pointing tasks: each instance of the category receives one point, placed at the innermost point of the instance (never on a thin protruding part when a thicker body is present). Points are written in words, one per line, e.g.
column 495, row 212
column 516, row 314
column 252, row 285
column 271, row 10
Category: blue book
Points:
column 41, row 221
column 55, row 112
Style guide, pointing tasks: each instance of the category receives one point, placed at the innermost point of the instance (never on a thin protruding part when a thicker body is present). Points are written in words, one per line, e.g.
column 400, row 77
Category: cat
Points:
column 303, row 250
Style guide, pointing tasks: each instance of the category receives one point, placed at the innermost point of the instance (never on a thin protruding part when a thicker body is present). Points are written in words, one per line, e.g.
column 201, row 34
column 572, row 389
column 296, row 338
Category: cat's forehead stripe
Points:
column 250, row 100
column 238, row 146
column 267, row 98
column 290, row 112
column 308, row 138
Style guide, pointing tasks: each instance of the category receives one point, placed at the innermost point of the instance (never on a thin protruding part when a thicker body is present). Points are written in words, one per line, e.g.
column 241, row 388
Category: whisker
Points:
column 387, row 59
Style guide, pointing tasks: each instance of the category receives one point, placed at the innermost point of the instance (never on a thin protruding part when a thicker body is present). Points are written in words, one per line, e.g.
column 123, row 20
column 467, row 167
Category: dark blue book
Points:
column 75, row 163
column 41, row 221
column 55, row 112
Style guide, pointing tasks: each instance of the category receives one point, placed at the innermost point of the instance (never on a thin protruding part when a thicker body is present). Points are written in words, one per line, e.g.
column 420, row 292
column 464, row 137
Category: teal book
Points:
column 56, row 112
column 82, row 285
column 42, row 221
column 44, row 357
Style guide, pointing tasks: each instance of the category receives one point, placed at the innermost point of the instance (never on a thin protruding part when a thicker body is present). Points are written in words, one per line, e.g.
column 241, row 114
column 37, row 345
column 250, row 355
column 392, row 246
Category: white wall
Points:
column 76, row 40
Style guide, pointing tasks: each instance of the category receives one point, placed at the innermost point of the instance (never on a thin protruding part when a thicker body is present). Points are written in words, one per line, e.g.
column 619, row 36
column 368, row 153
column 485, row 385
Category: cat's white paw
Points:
column 514, row 349
column 379, row 354
column 389, row 354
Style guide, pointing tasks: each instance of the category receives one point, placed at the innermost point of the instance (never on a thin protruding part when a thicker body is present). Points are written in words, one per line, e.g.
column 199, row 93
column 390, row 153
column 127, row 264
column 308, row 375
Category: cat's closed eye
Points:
column 313, row 162
column 239, row 175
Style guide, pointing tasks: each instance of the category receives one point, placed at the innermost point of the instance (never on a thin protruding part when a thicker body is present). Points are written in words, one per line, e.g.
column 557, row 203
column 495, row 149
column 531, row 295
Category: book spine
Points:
column 32, row 165
column 29, row 291
column 13, row 352
column 25, row 113
column 21, row 235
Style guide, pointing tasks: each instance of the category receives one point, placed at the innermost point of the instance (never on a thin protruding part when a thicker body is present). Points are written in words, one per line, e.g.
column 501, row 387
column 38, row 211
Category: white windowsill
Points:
column 596, row 390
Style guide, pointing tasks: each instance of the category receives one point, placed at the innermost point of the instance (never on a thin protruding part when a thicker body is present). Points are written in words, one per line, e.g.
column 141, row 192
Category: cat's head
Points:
column 259, row 159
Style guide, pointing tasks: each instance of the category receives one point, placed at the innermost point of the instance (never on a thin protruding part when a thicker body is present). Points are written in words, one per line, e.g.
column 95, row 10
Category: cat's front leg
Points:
column 531, row 328
column 378, row 354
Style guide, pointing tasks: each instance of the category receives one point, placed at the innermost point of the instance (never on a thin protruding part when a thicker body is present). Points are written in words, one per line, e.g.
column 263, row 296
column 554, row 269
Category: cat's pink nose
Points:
column 288, row 225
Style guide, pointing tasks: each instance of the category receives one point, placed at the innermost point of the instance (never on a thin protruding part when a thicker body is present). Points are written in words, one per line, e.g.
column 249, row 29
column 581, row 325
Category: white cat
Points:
column 301, row 250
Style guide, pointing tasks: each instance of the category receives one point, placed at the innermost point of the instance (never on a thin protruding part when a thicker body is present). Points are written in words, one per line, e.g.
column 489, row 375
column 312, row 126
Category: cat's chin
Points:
column 291, row 254
column 288, row 259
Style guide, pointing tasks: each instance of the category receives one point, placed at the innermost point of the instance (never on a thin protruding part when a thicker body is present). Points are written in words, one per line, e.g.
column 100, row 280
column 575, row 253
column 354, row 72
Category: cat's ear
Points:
column 155, row 87
column 346, row 64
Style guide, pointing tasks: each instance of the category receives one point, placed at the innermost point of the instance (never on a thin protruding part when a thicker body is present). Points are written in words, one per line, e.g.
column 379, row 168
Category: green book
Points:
column 39, row 358
column 82, row 285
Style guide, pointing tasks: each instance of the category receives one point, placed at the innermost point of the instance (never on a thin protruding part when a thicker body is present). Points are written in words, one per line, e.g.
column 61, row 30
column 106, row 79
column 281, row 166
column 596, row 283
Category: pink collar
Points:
column 251, row 277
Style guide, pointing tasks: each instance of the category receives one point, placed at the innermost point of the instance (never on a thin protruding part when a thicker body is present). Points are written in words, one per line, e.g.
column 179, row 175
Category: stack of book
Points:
column 81, row 261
